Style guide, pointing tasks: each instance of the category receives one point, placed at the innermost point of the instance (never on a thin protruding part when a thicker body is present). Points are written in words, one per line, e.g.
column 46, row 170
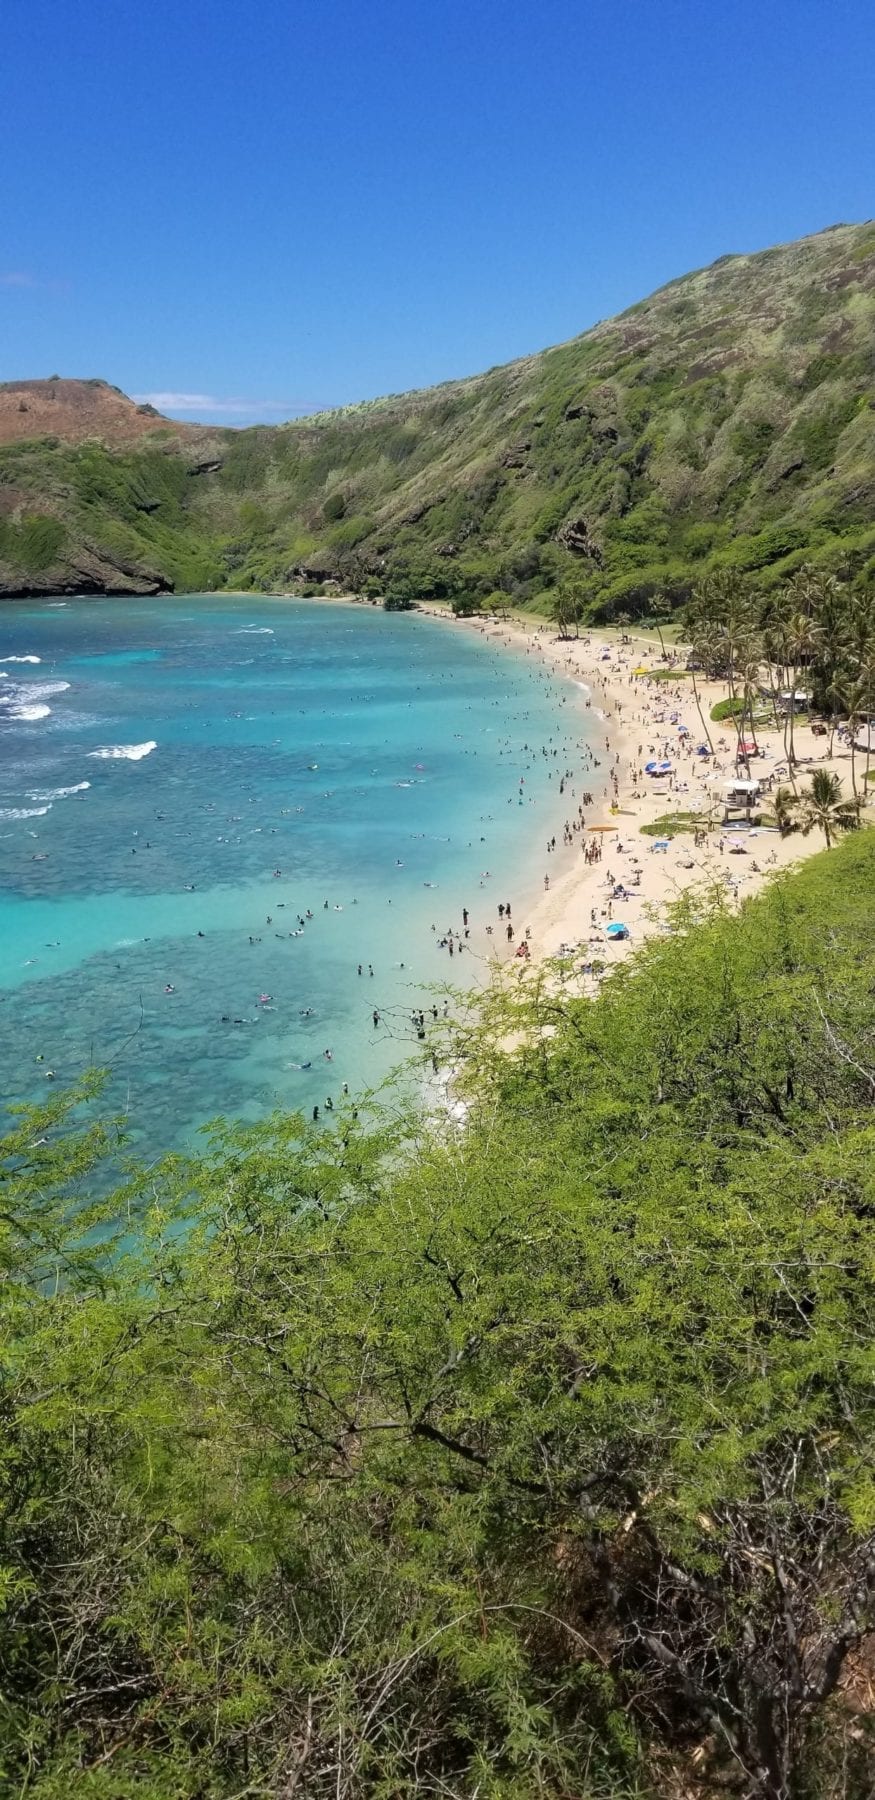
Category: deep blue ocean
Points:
column 182, row 781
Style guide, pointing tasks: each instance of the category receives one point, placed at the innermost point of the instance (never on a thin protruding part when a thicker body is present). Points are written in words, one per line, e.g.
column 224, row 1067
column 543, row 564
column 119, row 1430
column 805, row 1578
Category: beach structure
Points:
column 739, row 796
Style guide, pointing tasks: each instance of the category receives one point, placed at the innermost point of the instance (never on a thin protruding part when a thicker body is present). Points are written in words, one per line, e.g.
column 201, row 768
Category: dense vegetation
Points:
column 806, row 646
column 531, row 1464
column 726, row 423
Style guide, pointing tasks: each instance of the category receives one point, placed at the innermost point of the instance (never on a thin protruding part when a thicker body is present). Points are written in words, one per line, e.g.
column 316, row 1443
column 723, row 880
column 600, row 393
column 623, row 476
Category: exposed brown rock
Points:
column 576, row 536
column 515, row 456
column 77, row 410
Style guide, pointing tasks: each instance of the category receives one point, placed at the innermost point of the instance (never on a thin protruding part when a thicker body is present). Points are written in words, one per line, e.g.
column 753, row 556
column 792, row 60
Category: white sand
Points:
column 638, row 711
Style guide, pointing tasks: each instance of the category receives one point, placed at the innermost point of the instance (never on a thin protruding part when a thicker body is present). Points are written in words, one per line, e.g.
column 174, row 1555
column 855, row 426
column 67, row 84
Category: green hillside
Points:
column 535, row 1464
column 725, row 422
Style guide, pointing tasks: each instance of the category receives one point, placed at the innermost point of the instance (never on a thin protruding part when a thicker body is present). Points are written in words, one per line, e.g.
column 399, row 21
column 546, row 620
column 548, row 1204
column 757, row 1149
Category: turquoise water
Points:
column 174, row 774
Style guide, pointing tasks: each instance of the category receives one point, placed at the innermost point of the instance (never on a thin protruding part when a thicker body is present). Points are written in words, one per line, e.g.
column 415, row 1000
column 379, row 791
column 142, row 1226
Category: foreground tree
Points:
column 522, row 1464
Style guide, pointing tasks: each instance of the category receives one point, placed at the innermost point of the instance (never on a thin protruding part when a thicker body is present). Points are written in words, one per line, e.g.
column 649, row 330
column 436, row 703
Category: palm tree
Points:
column 867, row 685
column 824, row 808
column 750, row 659
column 799, row 640
column 698, row 655
column 855, row 699
column 784, row 801
column 562, row 613
column 831, row 643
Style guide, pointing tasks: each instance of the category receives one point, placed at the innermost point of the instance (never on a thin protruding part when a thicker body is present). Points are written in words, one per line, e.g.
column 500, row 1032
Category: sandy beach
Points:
column 645, row 718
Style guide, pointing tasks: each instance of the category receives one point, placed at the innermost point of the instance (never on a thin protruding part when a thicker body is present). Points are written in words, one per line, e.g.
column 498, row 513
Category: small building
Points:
column 739, row 797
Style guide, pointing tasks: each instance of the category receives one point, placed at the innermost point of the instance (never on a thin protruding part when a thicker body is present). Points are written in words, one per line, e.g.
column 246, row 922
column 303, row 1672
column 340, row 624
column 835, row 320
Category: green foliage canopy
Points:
column 380, row 1461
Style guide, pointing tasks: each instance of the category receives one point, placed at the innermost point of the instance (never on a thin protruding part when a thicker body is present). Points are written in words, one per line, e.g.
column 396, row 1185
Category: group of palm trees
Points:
column 816, row 631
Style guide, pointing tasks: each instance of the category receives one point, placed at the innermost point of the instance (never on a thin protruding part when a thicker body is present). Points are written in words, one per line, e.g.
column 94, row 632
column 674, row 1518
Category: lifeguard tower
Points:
column 739, row 796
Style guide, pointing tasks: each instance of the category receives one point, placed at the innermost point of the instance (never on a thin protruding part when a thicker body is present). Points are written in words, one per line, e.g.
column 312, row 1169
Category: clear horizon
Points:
column 246, row 222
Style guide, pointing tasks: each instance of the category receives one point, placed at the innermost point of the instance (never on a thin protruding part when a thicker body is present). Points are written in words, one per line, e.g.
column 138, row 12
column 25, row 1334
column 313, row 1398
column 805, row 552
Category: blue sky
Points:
column 273, row 206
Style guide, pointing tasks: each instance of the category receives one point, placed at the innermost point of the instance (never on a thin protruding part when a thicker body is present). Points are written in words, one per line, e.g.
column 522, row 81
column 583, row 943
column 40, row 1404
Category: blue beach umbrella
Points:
column 616, row 930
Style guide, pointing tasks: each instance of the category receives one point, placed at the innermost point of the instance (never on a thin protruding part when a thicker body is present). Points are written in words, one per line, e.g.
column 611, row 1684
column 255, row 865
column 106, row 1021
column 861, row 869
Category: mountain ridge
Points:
column 726, row 420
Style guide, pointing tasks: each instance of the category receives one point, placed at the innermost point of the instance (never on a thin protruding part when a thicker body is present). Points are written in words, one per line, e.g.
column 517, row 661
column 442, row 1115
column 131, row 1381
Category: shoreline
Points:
column 641, row 718
column 643, row 714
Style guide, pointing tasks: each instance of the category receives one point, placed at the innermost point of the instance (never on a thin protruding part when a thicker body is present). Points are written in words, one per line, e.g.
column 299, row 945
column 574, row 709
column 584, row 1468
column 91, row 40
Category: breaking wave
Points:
column 25, row 699
column 124, row 752
column 24, row 812
column 60, row 793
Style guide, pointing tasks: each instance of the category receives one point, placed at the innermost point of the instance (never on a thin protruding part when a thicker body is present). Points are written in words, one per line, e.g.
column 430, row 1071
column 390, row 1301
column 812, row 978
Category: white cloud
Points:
column 17, row 278
column 209, row 403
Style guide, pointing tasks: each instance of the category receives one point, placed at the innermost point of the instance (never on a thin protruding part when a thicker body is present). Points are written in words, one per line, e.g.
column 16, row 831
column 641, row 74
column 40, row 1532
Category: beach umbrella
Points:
column 640, row 671
column 683, row 731
column 616, row 930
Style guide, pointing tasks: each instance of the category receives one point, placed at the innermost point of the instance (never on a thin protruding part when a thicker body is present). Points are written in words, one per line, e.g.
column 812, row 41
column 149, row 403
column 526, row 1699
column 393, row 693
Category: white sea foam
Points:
column 124, row 752
column 28, row 713
column 24, row 812
column 37, row 690
column 25, row 699
column 30, row 659
column 59, row 793
column 253, row 630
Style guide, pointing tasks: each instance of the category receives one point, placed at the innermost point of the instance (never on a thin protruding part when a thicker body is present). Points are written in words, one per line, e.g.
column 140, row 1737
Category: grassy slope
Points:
column 725, row 421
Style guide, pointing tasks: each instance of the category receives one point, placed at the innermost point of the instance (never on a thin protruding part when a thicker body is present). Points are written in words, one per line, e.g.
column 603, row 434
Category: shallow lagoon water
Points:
column 170, row 768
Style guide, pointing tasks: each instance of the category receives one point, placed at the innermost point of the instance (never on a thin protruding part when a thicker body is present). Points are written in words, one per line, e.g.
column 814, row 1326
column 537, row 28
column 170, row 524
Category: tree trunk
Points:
column 700, row 713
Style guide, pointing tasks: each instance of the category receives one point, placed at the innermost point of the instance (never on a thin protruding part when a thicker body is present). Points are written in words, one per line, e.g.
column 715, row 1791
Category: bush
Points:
column 411, row 1464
